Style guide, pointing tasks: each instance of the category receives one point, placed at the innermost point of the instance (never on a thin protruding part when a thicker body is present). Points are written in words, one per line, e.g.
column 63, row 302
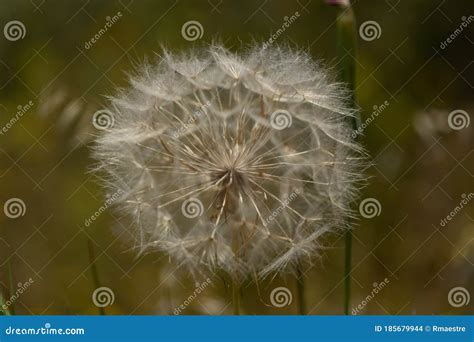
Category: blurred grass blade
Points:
column 11, row 288
column 3, row 307
column 94, row 270
column 347, row 48
column 300, row 291
column 236, row 296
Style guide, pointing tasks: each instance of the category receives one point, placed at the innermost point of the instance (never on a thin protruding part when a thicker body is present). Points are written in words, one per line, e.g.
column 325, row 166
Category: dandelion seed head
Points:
column 258, row 143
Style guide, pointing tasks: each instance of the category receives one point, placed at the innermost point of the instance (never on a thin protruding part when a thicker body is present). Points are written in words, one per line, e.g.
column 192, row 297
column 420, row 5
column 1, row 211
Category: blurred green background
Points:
column 421, row 166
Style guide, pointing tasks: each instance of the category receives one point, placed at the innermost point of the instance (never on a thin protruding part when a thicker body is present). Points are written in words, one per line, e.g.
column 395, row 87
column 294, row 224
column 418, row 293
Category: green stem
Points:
column 347, row 272
column 300, row 290
column 347, row 46
column 3, row 311
column 11, row 287
column 236, row 295
column 235, row 277
column 94, row 270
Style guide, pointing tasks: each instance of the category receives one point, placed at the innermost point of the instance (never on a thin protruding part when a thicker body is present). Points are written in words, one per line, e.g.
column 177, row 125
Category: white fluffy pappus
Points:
column 240, row 162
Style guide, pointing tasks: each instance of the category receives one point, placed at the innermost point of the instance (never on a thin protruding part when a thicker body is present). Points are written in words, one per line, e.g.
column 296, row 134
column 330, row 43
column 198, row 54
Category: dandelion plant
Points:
column 234, row 162
column 3, row 306
column 347, row 45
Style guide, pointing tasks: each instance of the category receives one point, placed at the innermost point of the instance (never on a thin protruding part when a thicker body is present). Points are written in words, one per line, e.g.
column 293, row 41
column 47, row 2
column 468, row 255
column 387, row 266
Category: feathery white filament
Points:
column 258, row 144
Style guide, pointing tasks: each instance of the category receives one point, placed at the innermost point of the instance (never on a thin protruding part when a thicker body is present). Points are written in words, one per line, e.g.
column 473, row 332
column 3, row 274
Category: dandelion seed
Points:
column 231, row 159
